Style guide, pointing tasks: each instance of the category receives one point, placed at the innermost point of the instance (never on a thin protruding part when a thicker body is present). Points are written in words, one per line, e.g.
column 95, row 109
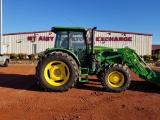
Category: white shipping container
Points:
column 37, row 42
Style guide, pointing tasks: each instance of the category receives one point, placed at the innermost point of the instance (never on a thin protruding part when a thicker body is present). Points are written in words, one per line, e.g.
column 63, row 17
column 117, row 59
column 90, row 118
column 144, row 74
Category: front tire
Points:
column 57, row 72
column 6, row 63
column 116, row 78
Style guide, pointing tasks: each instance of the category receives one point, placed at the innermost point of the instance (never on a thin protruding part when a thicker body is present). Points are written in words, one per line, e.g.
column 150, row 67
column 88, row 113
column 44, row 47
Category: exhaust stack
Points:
column 93, row 60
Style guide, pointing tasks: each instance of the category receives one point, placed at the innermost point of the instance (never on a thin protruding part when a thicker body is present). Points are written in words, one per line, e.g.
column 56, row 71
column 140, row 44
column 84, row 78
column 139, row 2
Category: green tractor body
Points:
column 73, row 58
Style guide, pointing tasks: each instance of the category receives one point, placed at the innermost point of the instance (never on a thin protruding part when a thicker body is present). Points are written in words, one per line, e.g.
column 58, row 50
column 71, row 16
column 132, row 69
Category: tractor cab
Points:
column 73, row 39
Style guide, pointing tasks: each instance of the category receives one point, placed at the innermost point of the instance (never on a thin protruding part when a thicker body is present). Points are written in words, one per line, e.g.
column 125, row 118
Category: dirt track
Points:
column 22, row 99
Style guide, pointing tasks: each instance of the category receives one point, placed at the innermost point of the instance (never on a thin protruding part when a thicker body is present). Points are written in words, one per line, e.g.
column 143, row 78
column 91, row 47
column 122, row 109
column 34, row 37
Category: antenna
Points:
column 73, row 22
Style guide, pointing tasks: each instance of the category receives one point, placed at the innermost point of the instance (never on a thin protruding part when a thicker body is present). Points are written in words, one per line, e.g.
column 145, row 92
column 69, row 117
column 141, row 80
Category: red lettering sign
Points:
column 113, row 38
column 31, row 38
column 41, row 38
column 120, row 38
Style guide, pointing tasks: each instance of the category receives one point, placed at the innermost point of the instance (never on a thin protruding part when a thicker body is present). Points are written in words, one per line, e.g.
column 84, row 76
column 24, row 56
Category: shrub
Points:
column 32, row 56
column 156, row 57
column 40, row 56
column 157, row 63
column 22, row 56
column 147, row 57
column 13, row 56
column 6, row 54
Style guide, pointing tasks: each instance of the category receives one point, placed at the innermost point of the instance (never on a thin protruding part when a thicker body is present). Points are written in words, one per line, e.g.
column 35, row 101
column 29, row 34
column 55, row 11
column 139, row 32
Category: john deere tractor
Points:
column 72, row 59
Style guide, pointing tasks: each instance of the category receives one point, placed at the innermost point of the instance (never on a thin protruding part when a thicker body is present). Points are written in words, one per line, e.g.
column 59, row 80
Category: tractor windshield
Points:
column 61, row 40
column 72, row 40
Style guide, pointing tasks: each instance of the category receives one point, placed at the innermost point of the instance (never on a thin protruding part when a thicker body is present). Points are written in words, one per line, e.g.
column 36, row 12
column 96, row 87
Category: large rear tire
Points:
column 116, row 78
column 57, row 71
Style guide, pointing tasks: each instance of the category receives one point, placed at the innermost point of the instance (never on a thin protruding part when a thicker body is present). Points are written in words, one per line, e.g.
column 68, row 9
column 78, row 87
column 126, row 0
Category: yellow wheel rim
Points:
column 116, row 79
column 56, row 73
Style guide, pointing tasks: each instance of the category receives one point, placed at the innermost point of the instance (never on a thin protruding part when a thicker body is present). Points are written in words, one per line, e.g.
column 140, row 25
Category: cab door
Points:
column 78, row 45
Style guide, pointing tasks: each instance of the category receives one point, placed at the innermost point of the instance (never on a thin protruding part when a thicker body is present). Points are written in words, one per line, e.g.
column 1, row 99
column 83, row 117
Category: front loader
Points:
column 72, row 59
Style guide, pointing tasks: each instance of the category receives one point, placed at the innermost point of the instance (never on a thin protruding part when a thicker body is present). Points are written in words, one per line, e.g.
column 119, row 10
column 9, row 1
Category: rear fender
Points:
column 63, row 50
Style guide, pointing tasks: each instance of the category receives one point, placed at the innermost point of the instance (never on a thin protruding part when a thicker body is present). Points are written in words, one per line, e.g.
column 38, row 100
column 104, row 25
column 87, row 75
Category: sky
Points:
column 141, row 16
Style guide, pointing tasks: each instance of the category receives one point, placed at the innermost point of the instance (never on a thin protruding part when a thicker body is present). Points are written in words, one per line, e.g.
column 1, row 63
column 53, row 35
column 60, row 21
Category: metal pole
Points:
column 1, row 27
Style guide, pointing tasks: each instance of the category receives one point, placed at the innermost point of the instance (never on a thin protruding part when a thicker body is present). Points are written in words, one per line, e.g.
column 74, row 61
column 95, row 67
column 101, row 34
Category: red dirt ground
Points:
column 22, row 99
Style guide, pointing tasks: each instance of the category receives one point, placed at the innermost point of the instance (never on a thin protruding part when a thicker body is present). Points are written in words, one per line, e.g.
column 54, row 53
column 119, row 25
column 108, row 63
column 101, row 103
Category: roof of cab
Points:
column 64, row 28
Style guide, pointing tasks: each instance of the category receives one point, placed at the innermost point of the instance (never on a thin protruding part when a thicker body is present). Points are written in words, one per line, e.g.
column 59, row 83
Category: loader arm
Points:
column 139, row 66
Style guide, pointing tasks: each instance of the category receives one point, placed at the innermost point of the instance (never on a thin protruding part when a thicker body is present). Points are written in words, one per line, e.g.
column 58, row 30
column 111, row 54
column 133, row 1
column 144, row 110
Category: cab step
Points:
column 83, row 75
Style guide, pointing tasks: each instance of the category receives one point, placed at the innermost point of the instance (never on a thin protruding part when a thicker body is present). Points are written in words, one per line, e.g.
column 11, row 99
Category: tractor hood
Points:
column 101, row 48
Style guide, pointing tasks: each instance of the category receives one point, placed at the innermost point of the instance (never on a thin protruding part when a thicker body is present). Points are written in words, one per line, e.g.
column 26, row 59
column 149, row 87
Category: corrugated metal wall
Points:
column 36, row 42
column 29, row 42
column 139, row 42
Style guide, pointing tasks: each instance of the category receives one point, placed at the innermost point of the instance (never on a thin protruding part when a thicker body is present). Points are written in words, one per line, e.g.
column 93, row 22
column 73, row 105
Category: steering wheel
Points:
column 82, row 50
